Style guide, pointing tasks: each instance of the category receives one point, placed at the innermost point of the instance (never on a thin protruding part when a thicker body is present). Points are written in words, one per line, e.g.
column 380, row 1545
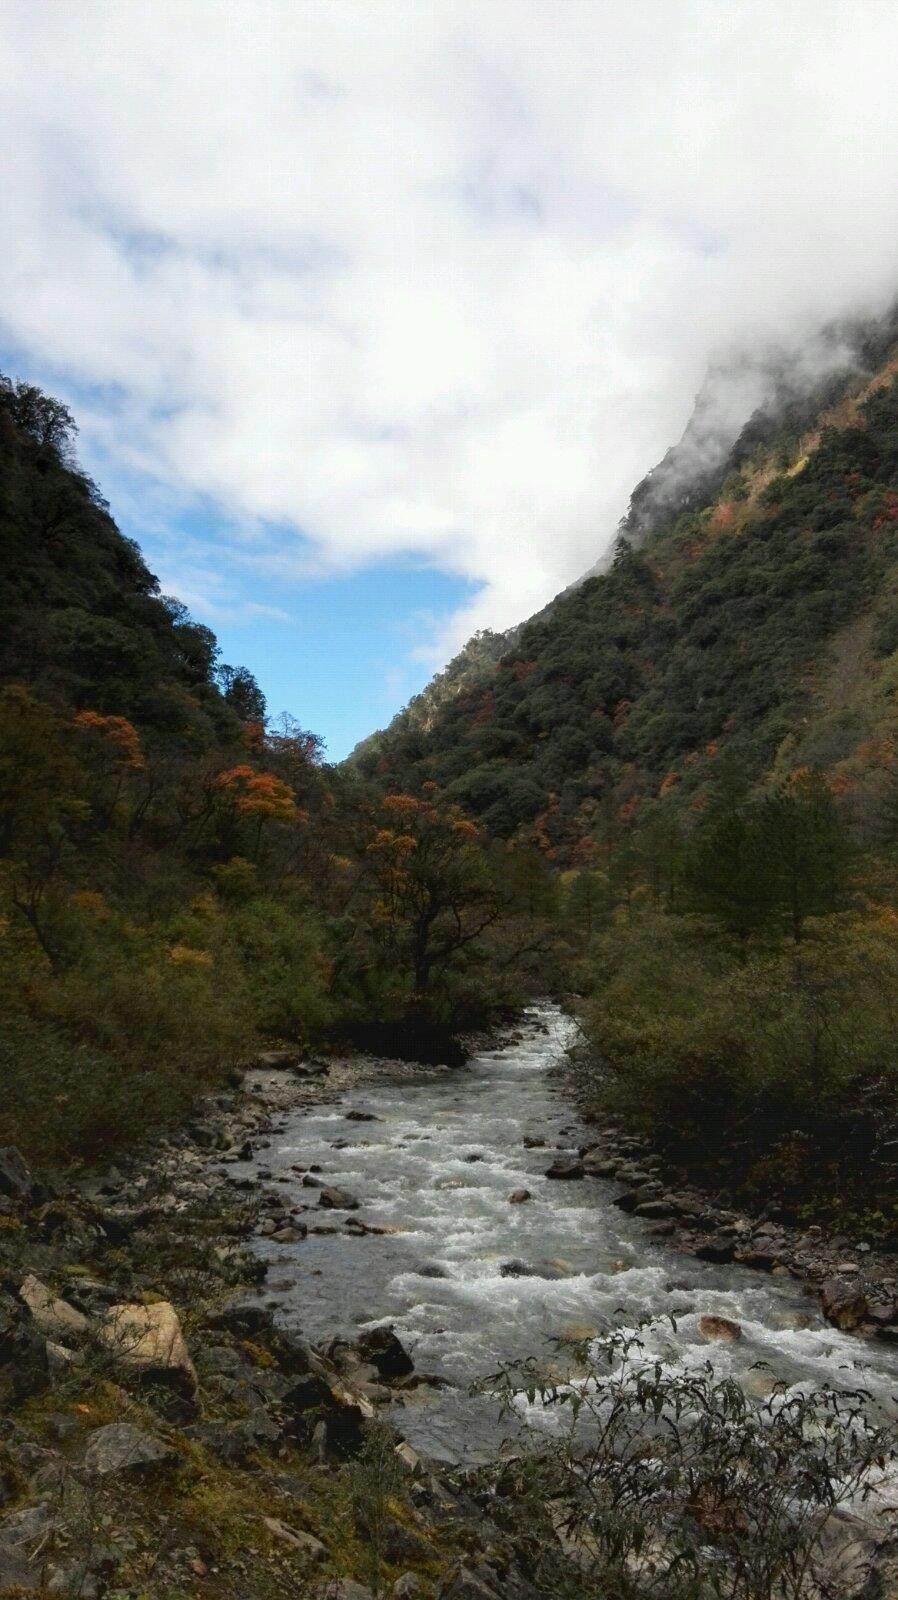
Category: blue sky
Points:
column 373, row 315
column 341, row 651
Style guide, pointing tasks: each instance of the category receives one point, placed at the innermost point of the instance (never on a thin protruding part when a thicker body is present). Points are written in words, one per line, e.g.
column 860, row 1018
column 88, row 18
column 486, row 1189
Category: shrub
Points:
column 779, row 1061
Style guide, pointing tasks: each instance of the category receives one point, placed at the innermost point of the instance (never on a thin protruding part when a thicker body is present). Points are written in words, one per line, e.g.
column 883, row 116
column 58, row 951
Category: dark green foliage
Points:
column 81, row 616
column 704, row 636
column 666, row 1485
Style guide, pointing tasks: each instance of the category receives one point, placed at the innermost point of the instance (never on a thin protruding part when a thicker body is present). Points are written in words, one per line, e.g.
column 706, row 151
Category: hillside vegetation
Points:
column 180, row 881
column 701, row 743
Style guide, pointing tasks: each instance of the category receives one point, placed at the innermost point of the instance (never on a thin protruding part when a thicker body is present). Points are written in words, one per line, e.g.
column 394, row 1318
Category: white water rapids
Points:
column 439, row 1279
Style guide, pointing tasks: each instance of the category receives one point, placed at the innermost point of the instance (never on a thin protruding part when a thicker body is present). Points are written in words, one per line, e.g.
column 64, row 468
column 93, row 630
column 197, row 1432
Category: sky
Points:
column 372, row 314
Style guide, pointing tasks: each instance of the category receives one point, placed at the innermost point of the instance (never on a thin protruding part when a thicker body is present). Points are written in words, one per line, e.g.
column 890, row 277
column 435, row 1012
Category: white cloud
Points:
column 441, row 278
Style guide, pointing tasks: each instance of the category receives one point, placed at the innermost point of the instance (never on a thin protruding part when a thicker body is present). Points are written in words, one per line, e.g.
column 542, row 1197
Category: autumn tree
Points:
column 433, row 893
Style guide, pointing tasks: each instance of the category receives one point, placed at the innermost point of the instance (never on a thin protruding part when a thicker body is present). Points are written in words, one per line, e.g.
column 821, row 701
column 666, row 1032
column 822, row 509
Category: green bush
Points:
column 778, row 1063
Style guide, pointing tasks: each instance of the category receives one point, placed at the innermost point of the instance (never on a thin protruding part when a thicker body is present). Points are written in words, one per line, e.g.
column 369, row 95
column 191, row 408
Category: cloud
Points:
column 440, row 281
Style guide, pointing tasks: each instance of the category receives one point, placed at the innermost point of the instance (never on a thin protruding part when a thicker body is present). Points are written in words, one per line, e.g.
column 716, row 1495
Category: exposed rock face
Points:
column 125, row 1450
column 148, row 1339
column 50, row 1315
column 723, row 1328
column 15, row 1175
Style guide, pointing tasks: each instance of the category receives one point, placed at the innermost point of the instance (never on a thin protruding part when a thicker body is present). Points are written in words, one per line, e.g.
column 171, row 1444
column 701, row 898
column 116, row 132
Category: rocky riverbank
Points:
column 160, row 1436
column 856, row 1283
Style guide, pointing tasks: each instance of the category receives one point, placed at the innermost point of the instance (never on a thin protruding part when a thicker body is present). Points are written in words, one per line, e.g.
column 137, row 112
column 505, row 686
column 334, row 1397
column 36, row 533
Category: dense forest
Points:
column 673, row 794
column 700, row 742
column 180, row 880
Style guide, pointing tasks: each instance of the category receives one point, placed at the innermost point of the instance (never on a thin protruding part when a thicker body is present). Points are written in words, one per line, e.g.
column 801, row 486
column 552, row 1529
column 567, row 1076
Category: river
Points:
column 438, row 1164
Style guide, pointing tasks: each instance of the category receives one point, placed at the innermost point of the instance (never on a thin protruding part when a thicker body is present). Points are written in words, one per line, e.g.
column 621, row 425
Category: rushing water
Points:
column 438, row 1164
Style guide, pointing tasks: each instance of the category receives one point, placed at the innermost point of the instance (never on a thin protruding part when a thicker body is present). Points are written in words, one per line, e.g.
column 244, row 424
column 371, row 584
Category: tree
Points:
column 807, row 849
column 434, row 893
column 241, row 692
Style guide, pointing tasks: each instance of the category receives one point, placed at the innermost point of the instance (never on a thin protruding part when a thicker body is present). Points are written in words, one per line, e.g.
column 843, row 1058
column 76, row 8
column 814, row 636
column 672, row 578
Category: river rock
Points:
column 717, row 1247
column 566, row 1167
column 713, row 1327
column 843, row 1304
column 656, row 1208
column 518, row 1196
column 362, row 1116
column 148, row 1341
column 381, row 1347
column 50, row 1315
column 122, row 1449
column 337, row 1200
column 596, row 1164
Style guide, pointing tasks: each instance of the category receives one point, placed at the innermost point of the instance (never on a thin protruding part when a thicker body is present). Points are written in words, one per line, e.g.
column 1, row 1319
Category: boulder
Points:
column 337, row 1200
column 717, row 1247
column 407, row 1587
column 52, row 1316
column 598, row 1165
column 517, row 1269
column 148, row 1341
column 122, row 1449
column 518, row 1196
column 656, row 1208
column 566, row 1167
column 843, row 1304
column 15, row 1174
column 381, row 1347
column 722, row 1328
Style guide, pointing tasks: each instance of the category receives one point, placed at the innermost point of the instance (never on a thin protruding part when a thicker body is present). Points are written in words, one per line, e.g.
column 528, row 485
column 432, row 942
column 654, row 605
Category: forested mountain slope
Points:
column 752, row 613
column 179, row 880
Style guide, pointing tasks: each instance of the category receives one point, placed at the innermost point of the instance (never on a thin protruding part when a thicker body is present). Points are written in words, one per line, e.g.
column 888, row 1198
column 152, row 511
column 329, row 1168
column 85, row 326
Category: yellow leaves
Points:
column 464, row 826
column 183, row 955
column 339, row 863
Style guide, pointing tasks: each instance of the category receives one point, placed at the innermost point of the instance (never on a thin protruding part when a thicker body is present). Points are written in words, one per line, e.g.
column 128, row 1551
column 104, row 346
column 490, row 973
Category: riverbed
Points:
column 472, row 1281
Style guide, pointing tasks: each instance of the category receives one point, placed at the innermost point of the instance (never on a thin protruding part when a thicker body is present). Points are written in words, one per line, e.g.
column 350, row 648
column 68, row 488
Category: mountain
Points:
column 750, row 609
